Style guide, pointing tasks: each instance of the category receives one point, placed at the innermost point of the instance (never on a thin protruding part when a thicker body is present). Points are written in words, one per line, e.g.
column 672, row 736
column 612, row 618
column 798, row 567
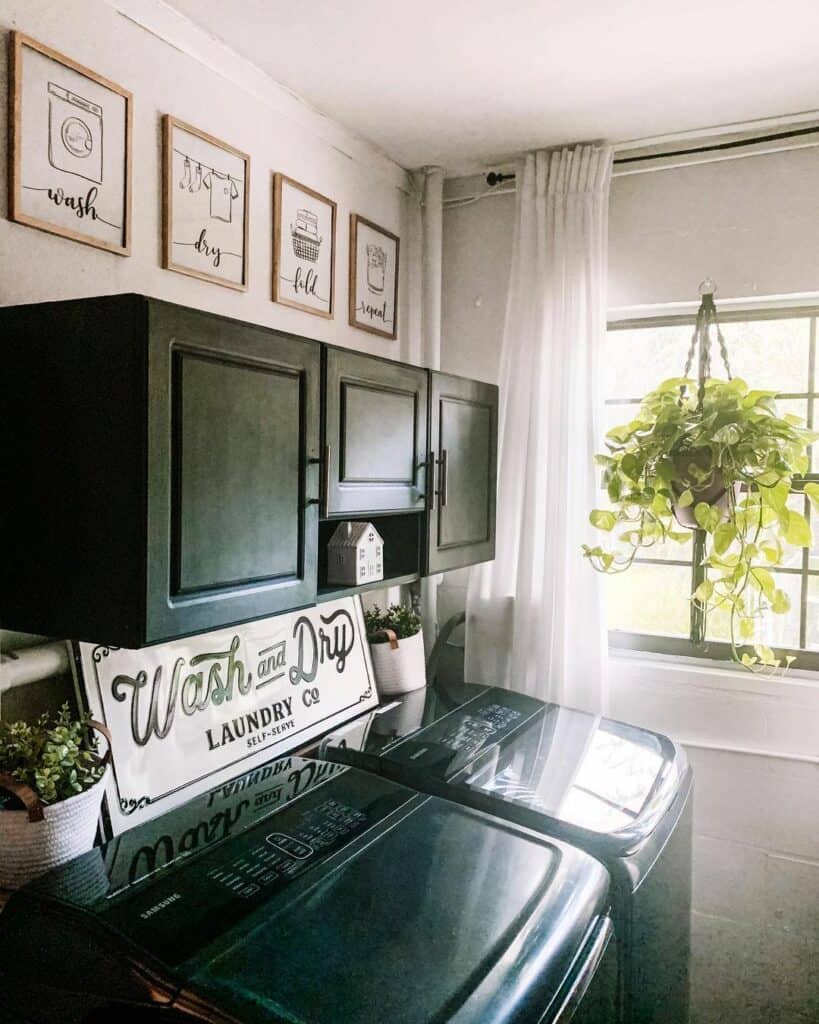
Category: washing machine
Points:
column 311, row 893
column 621, row 793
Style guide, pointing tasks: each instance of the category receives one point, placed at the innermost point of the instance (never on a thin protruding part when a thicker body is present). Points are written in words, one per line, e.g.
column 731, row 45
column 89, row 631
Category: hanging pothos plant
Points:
column 712, row 455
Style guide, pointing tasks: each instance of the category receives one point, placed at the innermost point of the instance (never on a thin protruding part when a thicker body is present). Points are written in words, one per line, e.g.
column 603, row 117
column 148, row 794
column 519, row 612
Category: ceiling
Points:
column 465, row 83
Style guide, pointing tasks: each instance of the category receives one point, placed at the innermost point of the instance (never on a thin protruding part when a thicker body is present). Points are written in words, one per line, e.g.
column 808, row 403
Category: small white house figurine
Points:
column 355, row 554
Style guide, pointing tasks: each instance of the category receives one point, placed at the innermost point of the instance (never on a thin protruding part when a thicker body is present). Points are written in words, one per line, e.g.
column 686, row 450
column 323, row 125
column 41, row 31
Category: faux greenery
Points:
column 404, row 622
column 670, row 452
column 56, row 756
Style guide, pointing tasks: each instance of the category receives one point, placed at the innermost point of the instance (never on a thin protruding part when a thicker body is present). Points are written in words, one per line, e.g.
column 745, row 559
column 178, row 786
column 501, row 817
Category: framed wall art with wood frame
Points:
column 70, row 133
column 205, row 205
column 373, row 278
column 304, row 247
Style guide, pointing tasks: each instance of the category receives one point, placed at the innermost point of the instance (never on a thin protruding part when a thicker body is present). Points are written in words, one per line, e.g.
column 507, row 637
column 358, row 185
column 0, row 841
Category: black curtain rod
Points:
column 494, row 178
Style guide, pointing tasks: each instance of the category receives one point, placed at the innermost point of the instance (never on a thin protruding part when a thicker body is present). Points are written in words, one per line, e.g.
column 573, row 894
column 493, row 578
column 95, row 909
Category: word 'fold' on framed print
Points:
column 373, row 278
column 204, row 206
column 304, row 247
column 193, row 714
column 70, row 152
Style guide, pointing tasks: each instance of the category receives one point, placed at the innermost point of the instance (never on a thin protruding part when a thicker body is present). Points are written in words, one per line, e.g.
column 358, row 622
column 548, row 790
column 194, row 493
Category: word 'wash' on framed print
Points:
column 204, row 205
column 373, row 278
column 70, row 152
column 304, row 247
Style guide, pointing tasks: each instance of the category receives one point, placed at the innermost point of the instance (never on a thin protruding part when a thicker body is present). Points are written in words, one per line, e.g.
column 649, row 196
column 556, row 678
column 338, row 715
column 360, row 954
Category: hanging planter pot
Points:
column 397, row 649
column 714, row 491
column 715, row 457
column 38, row 836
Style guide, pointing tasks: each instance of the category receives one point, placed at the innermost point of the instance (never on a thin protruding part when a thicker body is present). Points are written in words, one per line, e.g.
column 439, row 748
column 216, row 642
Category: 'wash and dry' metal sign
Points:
column 188, row 715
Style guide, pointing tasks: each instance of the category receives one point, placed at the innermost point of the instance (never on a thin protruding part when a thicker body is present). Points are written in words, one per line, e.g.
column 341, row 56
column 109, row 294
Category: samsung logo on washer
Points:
column 182, row 711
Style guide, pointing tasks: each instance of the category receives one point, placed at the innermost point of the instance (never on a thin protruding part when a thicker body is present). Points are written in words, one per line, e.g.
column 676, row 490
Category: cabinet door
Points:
column 233, row 432
column 463, row 442
column 375, row 435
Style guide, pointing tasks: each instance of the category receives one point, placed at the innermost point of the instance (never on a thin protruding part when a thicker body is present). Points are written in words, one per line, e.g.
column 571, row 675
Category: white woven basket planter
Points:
column 399, row 664
column 34, row 840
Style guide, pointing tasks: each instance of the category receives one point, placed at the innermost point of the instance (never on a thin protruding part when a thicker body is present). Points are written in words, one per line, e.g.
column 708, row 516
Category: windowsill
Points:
column 712, row 704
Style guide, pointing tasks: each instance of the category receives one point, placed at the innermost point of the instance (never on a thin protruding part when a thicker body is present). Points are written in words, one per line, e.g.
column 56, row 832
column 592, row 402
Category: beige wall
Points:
column 749, row 223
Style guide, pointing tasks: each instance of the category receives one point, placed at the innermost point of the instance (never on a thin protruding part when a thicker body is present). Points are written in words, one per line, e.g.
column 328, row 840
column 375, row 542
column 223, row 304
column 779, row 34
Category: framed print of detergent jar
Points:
column 304, row 247
column 70, row 152
column 204, row 206
column 373, row 278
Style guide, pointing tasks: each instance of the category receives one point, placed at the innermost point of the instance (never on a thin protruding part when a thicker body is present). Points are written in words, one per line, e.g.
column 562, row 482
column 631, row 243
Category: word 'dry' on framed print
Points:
column 373, row 278
column 304, row 247
column 70, row 152
column 204, row 205
column 189, row 715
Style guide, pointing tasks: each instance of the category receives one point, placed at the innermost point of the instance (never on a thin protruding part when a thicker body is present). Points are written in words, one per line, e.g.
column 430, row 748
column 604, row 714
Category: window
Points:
column 649, row 606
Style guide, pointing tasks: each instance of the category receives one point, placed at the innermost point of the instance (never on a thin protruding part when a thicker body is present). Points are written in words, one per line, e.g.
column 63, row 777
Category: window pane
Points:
column 812, row 641
column 777, row 631
column 638, row 360
column 650, row 599
column 767, row 353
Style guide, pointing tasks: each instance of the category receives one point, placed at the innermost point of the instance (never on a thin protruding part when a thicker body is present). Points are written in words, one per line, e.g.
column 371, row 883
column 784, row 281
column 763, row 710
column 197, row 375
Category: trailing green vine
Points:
column 725, row 442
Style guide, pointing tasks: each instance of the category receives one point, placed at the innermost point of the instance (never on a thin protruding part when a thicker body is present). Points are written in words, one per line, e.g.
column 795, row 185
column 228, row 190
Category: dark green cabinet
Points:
column 167, row 471
column 463, row 449
column 164, row 468
column 375, row 435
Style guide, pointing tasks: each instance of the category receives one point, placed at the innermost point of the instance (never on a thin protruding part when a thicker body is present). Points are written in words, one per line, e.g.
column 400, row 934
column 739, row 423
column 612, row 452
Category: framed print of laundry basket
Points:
column 304, row 247
column 70, row 152
column 373, row 278
column 204, row 205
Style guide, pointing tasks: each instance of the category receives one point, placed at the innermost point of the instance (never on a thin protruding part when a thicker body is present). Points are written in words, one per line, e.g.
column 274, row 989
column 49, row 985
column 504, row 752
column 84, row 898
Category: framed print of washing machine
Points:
column 304, row 247
column 373, row 278
column 205, row 205
column 70, row 152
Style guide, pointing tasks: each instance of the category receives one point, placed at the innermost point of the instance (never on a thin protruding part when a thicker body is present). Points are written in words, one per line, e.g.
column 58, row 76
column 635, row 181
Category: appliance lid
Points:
column 595, row 774
column 356, row 899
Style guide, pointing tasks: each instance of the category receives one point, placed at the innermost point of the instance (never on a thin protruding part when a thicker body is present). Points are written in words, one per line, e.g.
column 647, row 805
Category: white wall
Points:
column 217, row 91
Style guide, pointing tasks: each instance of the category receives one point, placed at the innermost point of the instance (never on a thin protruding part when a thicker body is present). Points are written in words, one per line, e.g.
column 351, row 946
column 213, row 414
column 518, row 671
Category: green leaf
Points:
column 797, row 530
column 707, row 516
column 746, row 628
column 704, row 591
column 812, row 491
column 763, row 580
column 781, row 603
column 766, row 655
column 603, row 519
column 771, row 553
column 686, row 498
column 724, row 536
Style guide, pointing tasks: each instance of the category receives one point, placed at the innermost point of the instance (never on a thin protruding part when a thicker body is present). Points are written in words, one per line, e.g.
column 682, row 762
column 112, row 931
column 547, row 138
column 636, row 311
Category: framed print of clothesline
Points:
column 70, row 152
column 204, row 206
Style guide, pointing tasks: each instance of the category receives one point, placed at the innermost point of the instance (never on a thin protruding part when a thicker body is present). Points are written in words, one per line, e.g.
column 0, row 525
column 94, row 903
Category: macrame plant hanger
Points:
column 701, row 345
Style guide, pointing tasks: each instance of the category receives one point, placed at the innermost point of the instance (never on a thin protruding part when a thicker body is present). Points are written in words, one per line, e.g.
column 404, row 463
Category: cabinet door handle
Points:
column 443, row 474
column 326, row 483
column 429, row 479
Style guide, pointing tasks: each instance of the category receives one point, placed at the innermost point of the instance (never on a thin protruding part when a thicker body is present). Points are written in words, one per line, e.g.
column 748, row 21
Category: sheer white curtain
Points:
column 535, row 615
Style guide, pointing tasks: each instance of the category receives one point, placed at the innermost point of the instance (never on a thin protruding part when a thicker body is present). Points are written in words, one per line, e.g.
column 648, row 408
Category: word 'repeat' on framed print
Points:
column 304, row 247
column 205, row 208
column 373, row 278
column 70, row 151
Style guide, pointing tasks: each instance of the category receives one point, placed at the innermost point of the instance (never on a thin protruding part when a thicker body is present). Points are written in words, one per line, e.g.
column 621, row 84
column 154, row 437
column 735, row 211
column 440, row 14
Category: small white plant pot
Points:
column 399, row 665
column 38, row 838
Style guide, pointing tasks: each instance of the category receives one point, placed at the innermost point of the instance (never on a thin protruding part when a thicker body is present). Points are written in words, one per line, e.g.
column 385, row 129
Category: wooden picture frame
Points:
column 65, row 175
column 200, row 237
column 303, row 266
column 373, row 293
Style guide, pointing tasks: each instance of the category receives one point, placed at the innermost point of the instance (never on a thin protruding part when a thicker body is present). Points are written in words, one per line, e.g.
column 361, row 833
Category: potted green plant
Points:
column 397, row 648
column 715, row 456
column 51, row 786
